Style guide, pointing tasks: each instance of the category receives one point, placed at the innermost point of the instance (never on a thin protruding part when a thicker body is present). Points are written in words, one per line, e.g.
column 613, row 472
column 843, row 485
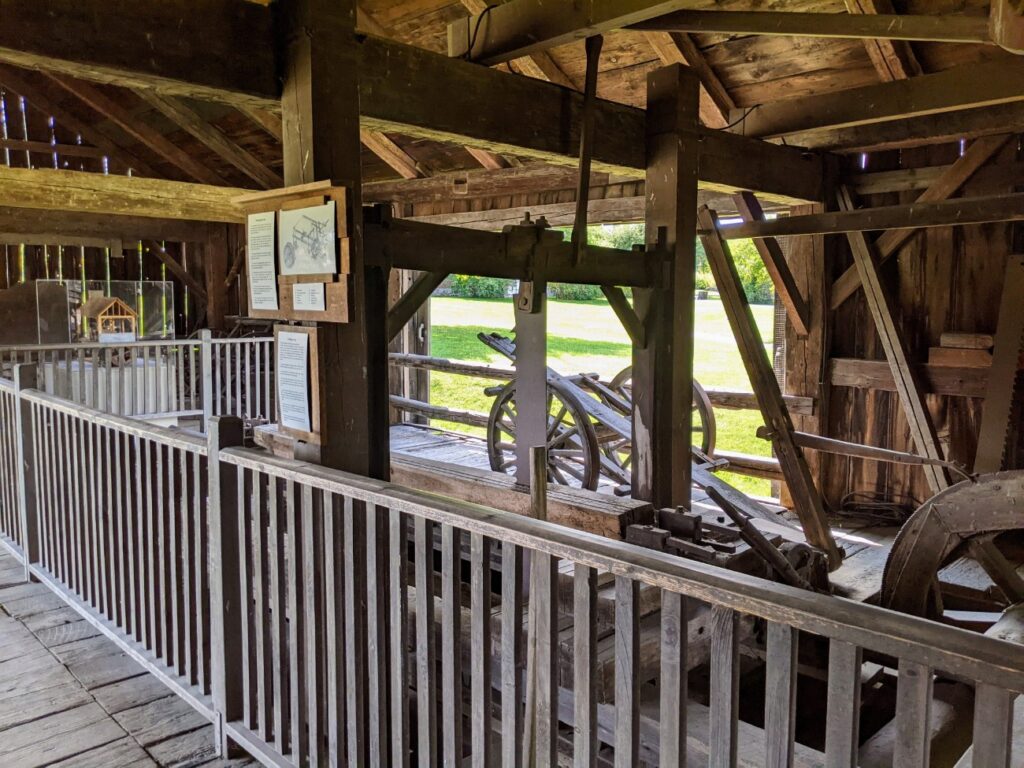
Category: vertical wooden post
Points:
column 320, row 110
column 25, row 378
column 531, row 314
column 215, row 273
column 663, row 368
column 225, row 598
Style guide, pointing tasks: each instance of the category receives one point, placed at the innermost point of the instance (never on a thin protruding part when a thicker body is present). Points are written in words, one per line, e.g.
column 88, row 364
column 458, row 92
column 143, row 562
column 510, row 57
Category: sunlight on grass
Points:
column 586, row 337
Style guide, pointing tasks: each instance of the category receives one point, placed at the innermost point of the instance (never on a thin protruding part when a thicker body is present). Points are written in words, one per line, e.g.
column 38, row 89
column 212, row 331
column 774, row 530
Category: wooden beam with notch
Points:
column 679, row 48
column 623, row 310
column 945, row 28
column 775, row 262
column 981, row 84
column 191, row 122
column 892, row 59
column 911, row 393
column 948, row 184
column 411, row 301
column 131, row 124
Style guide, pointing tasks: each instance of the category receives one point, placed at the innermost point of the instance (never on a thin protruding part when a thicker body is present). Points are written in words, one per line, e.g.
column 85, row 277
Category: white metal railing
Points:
column 298, row 606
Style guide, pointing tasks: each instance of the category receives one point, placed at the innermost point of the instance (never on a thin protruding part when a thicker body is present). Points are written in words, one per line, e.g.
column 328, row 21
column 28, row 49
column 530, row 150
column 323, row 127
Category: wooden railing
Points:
column 152, row 379
column 352, row 621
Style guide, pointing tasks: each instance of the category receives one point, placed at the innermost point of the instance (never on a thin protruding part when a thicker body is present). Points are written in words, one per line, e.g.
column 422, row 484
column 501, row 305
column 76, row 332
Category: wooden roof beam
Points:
column 967, row 86
column 522, row 27
column 188, row 120
column 680, row 48
column 484, row 108
column 387, row 150
column 944, row 28
column 145, row 134
column 893, row 59
column 38, row 99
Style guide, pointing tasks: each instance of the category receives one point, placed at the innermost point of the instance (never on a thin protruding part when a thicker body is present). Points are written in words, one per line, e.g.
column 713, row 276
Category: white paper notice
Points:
column 293, row 379
column 262, row 264
column 309, row 297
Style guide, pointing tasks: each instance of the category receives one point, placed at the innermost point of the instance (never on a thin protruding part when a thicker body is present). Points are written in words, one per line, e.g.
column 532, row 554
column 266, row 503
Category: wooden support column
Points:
column 663, row 367
column 321, row 142
column 215, row 271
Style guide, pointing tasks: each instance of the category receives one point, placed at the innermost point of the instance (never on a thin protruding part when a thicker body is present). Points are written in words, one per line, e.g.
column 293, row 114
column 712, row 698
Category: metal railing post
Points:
column 225, row 598
column 25, row 378
column 206, row 374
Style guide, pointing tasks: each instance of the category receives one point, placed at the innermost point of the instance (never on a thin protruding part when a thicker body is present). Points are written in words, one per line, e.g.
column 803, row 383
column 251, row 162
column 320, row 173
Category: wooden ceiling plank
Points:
column 387, row 150
column 970, row 85
column 137, row 129
column 188, row 120
column 15, row 81
column 48, row 189
column 892, row 59
column 946, row 28
column 677, row 48
column 944, row 187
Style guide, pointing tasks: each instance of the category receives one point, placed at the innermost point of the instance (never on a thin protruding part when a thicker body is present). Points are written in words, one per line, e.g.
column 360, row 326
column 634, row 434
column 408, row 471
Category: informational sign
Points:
column 293, row 379
column 308, row 240
column 262, row 264
column 309, row 297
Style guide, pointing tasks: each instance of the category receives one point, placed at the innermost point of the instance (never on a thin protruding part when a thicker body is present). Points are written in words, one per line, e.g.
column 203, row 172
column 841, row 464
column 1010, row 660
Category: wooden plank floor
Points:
column 70, row 698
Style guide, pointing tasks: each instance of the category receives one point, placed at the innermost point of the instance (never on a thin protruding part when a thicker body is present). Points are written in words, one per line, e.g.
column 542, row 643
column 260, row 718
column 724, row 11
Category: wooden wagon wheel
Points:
column 573, row 455
column 979, row 520
column 704, row 414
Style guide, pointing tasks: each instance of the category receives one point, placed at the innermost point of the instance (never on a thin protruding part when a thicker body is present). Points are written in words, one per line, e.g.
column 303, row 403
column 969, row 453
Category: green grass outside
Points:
column 586, row 337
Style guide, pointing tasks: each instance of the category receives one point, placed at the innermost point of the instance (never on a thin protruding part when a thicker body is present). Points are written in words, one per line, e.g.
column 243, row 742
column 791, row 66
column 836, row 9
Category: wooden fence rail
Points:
column 321, row 618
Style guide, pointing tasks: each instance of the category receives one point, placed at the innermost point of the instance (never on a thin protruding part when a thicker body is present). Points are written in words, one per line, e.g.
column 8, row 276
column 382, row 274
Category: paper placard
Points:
column 309, row 297
column 262, row 262
column 308, row 240
column 293, row 380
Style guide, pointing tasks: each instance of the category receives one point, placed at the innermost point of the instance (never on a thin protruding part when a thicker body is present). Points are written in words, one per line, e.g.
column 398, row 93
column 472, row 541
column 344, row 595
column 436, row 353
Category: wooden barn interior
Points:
column 233, row 527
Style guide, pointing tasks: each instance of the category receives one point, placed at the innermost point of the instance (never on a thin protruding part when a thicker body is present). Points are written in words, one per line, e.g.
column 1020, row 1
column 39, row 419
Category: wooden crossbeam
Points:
column 946, row 28
column 131, row 124
column 47, row 226
column 38, row 99
column 188, row 120
column 47, row 189
column 679, row 48
column 908, row 385
column 944, row 187
column 807, row 501
column 411, row 301
column 892, row 59
column 775, row 263
column 44, row 147
column 946, row 213
column 967, row 86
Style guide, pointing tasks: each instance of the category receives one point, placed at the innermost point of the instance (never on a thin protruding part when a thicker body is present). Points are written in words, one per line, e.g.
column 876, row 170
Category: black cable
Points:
column 476, row 31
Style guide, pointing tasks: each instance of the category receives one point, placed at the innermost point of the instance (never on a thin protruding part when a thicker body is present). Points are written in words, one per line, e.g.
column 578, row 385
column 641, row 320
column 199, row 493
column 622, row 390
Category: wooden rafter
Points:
column 951, row 180
column 679, row 48
column 137, row 129
column 188, row 120
column 265, row 119
column 387, row 150
column 987, row 83
column 38, row 99
column 892, row 59
column 910, row 390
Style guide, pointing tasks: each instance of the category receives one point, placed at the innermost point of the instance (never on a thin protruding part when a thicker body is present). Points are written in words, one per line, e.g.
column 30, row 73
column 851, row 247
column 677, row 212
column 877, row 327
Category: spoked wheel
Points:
column 971, row 532
column 573, row 455
column 703, row 435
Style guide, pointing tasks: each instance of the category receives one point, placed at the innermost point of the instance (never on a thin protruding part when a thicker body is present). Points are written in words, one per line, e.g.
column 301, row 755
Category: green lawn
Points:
column 587, row 337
